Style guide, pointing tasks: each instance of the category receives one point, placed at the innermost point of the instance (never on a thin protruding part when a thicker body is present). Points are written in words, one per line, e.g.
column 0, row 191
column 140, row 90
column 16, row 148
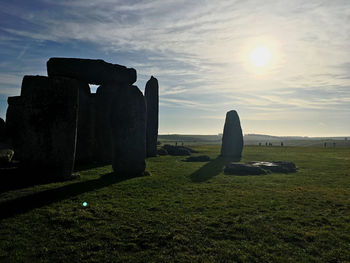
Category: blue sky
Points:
column 199, row 51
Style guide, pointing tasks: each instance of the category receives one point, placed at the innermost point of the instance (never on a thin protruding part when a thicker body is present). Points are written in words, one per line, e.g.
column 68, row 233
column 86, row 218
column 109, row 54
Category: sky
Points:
column 201, row 53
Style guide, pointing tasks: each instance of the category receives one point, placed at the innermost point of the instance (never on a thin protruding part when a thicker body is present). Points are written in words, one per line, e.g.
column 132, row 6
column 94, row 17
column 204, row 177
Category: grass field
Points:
column 187, row 212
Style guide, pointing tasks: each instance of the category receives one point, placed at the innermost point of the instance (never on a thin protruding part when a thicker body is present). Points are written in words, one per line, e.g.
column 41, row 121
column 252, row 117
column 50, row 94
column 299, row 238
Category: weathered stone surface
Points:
column 200, row 158
column 243, row 169
column 232, row 139
column 103, row 100
column 176, row 150
column 85, row 148
column 43, row 128
column 128, row 122
column 188, row 149
column 276, row 166
column 256, row 168
column 92, row 71
column 152, row 106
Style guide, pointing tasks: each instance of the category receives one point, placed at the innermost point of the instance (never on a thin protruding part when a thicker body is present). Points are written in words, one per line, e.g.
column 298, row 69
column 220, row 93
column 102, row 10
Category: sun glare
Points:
column 260, row 56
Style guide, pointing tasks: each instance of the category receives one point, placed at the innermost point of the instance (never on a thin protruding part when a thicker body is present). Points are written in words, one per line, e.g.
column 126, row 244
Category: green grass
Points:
column 187, row 212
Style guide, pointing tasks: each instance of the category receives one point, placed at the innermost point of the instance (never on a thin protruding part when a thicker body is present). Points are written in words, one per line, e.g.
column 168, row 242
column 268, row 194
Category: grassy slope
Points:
column 191, row 212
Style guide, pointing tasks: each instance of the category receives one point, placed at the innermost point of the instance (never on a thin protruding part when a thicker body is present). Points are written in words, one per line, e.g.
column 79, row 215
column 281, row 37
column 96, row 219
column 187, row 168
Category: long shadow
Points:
column 26, row 203
column 13, row 178
column 211, row 169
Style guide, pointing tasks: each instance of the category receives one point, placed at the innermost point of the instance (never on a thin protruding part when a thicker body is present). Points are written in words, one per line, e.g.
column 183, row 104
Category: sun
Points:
column 260, row 56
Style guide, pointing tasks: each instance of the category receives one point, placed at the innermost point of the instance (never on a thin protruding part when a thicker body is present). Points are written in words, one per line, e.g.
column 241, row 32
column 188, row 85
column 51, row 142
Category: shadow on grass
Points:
column 13, row 178
column 26, row 203
column 211, row 169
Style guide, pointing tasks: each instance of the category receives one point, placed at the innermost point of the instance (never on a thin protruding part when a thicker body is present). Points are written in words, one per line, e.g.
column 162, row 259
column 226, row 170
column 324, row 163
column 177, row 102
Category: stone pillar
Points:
column 86, row 126
column 152, row 106
column 104, row 99
column 128, row 123
column 232, row 139
column 43, row 124
column 2, row 129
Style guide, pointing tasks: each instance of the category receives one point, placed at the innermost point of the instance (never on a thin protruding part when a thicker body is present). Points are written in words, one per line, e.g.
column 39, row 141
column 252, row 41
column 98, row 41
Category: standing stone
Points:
column 232, row 139
column 128, row 122
column 43, row 126
column 2, row 128
column 104, row 100
column 86, row 126
column 152, row 102
column 91, row 71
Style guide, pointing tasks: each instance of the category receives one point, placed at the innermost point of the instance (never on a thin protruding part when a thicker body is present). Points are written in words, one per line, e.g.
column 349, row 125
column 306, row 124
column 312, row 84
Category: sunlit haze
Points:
column 260, row 56
column 284, row 66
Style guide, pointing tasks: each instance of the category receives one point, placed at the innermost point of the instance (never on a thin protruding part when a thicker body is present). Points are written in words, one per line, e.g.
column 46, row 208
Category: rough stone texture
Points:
column 276, row 166
column 176, row 150
column 188, row 149
column 256, row 168
column 85, row 148
column 152, row 102
column 243, row 169
column 200, row 158
column 104, row 99
column 92, row 71
column 128, row 123
column 43, row 127
column 232, row 139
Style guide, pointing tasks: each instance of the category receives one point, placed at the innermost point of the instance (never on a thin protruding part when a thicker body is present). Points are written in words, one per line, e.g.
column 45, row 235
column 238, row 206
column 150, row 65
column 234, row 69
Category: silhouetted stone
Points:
column 128, row 123
column 152, row 102
column 200, row 158
column 2, row 128
column 243, row 169
column 34, row 85
column 92, row 71
column 232, row 139
column 176, row 150
column 85, row 147
column 43, row 126
column 103, row 100
column 162, row 151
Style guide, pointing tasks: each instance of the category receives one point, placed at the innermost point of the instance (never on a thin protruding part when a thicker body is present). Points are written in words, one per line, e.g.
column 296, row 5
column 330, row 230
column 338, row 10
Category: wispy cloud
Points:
column 197, row 49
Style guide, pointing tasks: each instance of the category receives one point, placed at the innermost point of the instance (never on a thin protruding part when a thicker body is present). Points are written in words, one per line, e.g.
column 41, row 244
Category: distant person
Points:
column 182, row 144
column 282, row 144
column 325, row 145
column 266, row 143
column 259, row 143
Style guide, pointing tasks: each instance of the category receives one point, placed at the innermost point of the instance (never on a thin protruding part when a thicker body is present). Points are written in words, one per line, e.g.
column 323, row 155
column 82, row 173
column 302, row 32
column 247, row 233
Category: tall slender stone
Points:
column 43, row 126
column 104, row 99
column 2, row 129
column 232, row 139
column 86, row 126
column 152, row 106
column 128, row 122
